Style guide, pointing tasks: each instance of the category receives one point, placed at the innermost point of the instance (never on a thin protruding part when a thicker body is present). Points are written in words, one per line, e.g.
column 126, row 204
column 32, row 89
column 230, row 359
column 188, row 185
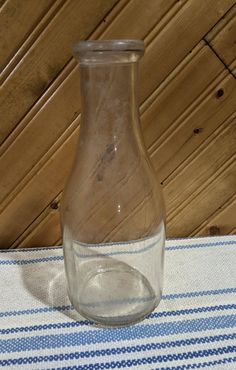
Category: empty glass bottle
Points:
column 112, row 208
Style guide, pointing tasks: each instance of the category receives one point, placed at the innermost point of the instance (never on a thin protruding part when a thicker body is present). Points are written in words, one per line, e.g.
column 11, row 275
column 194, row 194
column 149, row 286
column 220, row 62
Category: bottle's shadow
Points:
column 46, row 282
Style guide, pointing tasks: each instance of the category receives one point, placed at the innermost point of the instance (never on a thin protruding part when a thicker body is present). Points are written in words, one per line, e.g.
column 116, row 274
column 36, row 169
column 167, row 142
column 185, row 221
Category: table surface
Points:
column 193, row 327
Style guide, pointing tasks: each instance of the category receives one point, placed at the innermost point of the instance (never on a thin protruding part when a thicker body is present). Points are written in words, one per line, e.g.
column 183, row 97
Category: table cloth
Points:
column 192, row 328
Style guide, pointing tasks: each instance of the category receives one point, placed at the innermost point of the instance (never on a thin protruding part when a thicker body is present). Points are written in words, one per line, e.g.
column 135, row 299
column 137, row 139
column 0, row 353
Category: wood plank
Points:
column 50, row 194
column 203, row 205
column 137, row 19
column 46, row 59
column 19, row 19
column 61, row 104
column 48, row 231
column 202, row 174
column 222, row 37
column 224, row 220
column 45, row 233
column 233, row 232
column 43, row 229
column 63, row 94
column 51, row 52
column 24, row 47
column 53, row 114
column 205, row 165
column 203, row 56
column 132, row 11
column 196, row 124
column 2, row 3
column 233, row 65
column 163, row 56
column 176, row 97
column 49, row 93
column 34, row 197
column 55, row 111
column 208, row 131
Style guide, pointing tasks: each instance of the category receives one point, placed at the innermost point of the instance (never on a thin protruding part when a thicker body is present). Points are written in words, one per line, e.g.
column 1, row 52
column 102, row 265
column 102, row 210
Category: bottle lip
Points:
column 123, row 45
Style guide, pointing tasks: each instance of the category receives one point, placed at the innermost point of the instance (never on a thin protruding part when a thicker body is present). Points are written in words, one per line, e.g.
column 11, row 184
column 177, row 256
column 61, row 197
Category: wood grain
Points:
column 139, row 19
column 41, row 151
column 223, row 219
column 46, row 59
column 177, row 95
column 194, row 127
column 31, row 131
column 19, row 19
column 34, row 197
column 213, row 109
column 46, row 227
column 187, row 103
column 162, row 55
column 212, row 197
column 2, row 2
column 30, row 38
column 59, row 106
column 222, row 38
column 196, row 177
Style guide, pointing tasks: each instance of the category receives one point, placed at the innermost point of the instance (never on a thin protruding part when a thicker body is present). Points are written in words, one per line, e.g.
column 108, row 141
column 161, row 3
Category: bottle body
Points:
column 112, row 208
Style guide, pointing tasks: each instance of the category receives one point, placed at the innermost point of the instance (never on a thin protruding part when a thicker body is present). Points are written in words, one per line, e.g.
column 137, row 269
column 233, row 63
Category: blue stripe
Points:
column 164, row 297
column 154, row 315
column 201, row 365
column 31, row 311
column 27, row 262
column 116, row 351
column 190, row 311
column 171, row 240
column 152, row 298
column 115, row 335
column 13, row 250
column 200, row 293
column 223, row 237
column 201, row 245
column 154, row 359
column 57, row 258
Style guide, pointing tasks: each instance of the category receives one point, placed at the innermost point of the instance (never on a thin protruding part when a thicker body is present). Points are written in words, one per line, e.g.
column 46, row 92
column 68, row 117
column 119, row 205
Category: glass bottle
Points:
column 112, row 208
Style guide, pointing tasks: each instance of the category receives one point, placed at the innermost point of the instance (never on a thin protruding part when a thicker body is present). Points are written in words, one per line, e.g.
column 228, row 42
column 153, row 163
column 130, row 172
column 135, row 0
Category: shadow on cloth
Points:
column 46, row 281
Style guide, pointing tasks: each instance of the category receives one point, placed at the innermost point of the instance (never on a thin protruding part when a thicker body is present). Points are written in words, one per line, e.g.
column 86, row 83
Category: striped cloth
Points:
column 193, row 327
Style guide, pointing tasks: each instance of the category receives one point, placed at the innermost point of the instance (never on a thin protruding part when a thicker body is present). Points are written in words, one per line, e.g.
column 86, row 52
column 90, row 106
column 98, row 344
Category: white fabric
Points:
column 193, row 327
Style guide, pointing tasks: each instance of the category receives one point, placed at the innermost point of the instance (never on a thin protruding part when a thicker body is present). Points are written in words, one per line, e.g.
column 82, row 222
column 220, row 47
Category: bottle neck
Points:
column 109, row 97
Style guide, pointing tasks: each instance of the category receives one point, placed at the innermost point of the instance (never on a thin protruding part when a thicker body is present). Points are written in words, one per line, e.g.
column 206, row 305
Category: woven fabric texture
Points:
column 194, row 327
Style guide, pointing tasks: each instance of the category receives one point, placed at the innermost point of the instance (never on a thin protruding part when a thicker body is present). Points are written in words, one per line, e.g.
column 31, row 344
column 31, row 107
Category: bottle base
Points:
column 115, row 296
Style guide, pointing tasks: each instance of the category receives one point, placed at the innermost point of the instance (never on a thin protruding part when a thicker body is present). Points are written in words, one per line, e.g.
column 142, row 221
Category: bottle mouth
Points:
column 96, row 51
column 109, row 45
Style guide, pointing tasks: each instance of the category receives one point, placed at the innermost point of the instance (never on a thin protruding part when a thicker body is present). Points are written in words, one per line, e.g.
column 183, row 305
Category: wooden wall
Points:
column 187, row 103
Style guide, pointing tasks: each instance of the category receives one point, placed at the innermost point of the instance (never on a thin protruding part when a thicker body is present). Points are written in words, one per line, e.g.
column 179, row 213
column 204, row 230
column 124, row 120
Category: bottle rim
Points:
column 123, row 45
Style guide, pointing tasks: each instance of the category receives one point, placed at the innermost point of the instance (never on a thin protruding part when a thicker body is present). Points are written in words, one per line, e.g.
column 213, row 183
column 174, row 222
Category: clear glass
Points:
column 112, row 209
